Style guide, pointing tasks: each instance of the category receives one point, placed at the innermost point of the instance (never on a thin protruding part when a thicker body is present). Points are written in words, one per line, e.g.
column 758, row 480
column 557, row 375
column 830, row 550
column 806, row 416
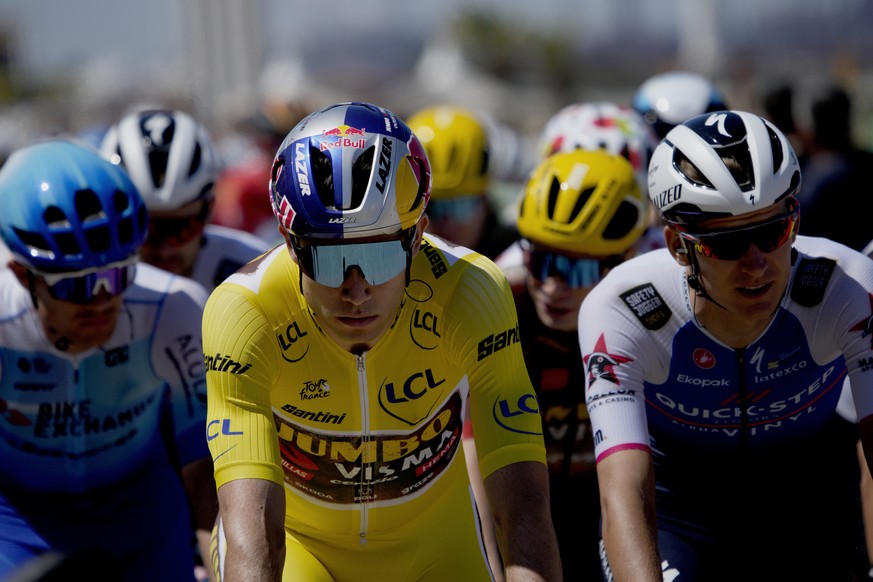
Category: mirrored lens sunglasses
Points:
column 84, row 286
column 577, row 273
column 732, row 244
column 329, row 264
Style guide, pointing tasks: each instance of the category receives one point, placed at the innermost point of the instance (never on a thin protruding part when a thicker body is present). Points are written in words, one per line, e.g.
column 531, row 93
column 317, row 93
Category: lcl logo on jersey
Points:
column 293, row 349
column 424, row 329
column 399, row 399
column 424, row 325
column 514, row 414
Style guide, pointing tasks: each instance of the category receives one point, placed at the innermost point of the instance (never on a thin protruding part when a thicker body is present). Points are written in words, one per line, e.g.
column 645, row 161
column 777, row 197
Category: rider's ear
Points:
column 676, row 246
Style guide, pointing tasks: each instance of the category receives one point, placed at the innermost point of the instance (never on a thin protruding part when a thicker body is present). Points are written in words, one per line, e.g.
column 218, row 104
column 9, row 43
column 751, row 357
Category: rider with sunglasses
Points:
column 714, row 369
column 580, row 215
column 102, row 389
column 172, row 161
column 338, row 370
column 464, row 156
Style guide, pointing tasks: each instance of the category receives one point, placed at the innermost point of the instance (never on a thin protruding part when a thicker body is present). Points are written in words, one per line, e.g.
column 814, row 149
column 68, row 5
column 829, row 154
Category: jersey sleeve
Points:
column 178, row 360
column 854, row 318
column 614, row 358
column 238, row 347
column 484, row 333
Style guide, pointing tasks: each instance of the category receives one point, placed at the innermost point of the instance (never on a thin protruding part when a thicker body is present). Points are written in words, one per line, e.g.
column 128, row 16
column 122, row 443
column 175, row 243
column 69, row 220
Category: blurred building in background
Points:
column 257, row 65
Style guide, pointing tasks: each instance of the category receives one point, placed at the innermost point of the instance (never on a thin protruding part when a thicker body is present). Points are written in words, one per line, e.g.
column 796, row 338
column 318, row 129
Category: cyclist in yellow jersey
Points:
column 338, row 370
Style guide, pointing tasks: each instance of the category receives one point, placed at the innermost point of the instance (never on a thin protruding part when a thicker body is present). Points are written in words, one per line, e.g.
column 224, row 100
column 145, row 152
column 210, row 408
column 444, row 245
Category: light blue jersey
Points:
column 99, row 437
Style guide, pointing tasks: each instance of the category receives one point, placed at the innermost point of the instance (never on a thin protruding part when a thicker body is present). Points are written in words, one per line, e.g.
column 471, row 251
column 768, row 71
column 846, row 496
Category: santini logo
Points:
column 219, row 363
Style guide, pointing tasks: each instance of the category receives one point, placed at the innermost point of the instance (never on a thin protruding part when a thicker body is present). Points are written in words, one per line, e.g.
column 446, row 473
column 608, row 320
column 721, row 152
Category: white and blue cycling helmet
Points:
column 768, row 171
column 66, row 209
column 668, row 99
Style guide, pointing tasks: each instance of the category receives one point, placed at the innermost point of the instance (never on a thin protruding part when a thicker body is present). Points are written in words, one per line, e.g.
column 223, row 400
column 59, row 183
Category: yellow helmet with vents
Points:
column 583, row 202
column 457, row 147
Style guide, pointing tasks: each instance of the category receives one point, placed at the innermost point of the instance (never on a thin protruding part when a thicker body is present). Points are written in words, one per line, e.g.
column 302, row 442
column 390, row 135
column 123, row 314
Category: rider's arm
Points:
column 200, row 484
column 252, row 514
column 627, row 500
column 519, row 499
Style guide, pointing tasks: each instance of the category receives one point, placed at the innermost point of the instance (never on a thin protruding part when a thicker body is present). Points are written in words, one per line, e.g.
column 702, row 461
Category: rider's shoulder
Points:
column 231, row 239
column 152, row 284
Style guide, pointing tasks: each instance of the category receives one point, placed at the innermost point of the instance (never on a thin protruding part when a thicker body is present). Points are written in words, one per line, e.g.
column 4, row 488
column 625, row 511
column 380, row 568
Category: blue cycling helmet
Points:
column 66, row 209
column 350, row 170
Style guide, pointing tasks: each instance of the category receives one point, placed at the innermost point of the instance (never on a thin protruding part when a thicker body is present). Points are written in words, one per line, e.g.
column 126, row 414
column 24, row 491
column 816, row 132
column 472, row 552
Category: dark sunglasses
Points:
column 176, row 231
column 732, row 244
column 577, row 273
column 83, row 287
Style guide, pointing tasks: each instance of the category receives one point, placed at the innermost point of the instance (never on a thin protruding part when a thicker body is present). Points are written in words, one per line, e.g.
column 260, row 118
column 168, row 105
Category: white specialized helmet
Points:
column 607, row 126
column 689, row 180
column 668, row 99
column 168, row 155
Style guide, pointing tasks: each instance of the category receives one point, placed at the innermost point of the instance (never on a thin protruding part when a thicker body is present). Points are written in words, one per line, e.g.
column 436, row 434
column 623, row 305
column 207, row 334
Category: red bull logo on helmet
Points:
column 344, row 136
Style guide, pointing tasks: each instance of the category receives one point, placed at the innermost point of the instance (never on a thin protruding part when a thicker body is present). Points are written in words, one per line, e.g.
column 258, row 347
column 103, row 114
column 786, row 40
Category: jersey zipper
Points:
column 363, row 488
column 743, row 397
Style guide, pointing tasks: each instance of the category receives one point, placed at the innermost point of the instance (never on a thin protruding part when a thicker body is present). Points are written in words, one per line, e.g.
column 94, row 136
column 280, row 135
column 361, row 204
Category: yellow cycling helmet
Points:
column 456, row 144
column 583, row 202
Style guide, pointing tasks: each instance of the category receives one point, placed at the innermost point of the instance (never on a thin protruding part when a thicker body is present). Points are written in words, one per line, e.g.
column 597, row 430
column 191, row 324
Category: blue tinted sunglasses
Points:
column 329, row 264
column 82, row 287
column 577, row 273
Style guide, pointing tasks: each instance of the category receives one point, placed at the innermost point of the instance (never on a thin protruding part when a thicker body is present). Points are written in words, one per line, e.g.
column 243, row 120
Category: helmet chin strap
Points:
column 693, row 279
column 694, row 282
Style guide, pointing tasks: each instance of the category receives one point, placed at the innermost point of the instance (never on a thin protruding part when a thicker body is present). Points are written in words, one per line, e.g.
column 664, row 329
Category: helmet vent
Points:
column 776, row 146
column 486, row 160
column 120, row 201
column 361, row 170
column 125, row 225
column 36, row 244
column 89, row 210
column 422, row 185
column 625, row 219
column 322, row 174
column 158, row 160
column 88, row 207
column 54, row 217
column 689, row 170
column 195, row 160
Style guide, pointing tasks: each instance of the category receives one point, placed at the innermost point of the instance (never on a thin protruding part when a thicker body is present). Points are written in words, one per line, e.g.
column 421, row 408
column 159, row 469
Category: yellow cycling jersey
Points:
column 365, row 443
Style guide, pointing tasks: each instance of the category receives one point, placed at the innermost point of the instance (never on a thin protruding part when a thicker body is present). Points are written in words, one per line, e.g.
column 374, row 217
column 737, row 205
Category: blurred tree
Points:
column 514, row 52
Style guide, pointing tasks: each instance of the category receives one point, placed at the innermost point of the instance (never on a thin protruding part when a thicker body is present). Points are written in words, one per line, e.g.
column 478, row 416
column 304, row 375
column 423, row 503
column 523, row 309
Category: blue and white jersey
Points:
column 754, row 465
column 654, row 373
column 70, row 423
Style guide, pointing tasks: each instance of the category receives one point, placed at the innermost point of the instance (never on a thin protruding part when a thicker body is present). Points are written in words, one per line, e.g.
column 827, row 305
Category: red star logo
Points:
column 866, row 325
column 600, row 363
